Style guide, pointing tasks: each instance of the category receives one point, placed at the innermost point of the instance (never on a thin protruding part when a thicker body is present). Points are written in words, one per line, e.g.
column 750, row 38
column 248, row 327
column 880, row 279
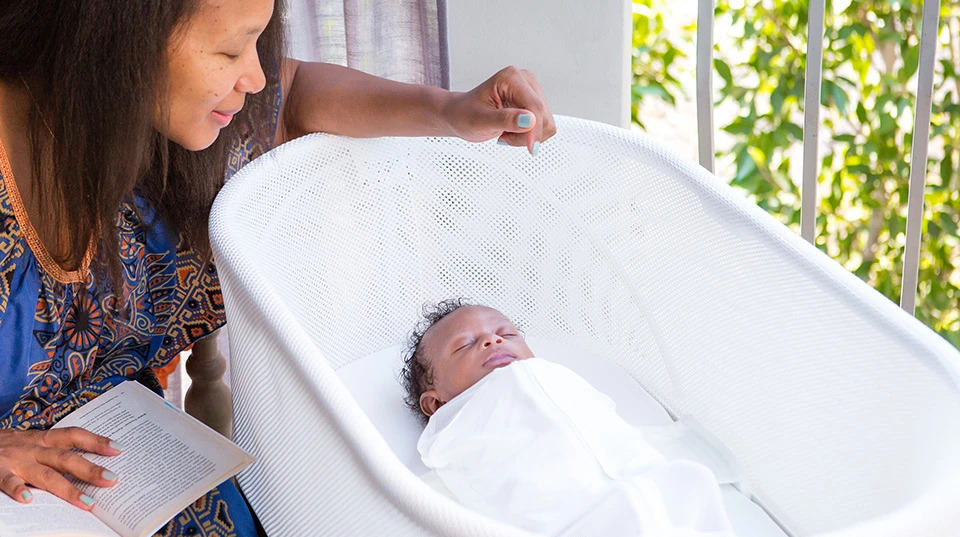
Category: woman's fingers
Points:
column 70, row 462
column 13, row 486
column 526, row 119
column 57, row 454
column 46, row 478
column 75, row 437
column 519, row 128
column 528, row 106
column 41, row 458
column 516, row 139
column 548, row 126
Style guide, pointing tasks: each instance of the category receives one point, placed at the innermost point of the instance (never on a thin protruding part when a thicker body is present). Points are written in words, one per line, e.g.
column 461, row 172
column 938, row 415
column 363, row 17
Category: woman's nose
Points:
column 253, row 79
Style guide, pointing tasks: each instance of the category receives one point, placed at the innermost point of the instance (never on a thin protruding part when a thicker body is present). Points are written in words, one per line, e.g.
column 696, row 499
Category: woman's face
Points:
column 213, row 65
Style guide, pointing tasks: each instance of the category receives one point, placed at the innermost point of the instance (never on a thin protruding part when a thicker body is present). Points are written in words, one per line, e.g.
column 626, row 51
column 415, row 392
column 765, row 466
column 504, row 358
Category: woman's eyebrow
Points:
column 254, row 30
column 241, row 35
column 244, row 32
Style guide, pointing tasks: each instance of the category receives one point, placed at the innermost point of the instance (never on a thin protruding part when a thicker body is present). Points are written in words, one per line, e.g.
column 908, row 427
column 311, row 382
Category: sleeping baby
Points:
column 530, row 443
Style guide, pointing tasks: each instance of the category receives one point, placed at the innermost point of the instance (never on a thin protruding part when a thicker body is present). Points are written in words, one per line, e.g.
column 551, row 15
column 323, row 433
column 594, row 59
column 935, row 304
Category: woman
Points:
column 119, row 121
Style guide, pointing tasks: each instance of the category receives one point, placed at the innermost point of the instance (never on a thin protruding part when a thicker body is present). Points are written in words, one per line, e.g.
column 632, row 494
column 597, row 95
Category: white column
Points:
column 579, row 50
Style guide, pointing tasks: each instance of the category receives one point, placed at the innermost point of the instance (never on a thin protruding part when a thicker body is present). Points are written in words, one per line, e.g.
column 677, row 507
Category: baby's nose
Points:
column 492, row 340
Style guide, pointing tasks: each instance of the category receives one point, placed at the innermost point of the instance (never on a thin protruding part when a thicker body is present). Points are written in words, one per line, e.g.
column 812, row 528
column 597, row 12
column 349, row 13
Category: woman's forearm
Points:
column 320, row 97
column 330, row 98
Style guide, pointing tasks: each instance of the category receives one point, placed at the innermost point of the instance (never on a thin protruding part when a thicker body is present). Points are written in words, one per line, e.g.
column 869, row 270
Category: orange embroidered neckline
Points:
column 46, row 261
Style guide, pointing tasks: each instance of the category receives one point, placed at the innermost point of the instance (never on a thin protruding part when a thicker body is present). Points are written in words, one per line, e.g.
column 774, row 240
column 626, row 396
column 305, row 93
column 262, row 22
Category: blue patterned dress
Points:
column 60, row 348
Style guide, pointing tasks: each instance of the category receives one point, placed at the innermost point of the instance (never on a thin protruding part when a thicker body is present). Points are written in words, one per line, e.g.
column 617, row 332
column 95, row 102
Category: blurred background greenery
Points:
column 867, row 100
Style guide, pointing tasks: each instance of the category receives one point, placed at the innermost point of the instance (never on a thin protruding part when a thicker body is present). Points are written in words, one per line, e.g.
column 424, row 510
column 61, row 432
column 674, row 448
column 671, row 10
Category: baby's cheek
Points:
column 464, row 380
column 478, row 374
column 524, row 351
column 445, row 384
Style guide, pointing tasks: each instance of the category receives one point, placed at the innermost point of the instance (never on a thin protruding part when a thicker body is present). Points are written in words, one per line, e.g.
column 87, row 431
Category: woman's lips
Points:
column 222, row 118
column 499, row 359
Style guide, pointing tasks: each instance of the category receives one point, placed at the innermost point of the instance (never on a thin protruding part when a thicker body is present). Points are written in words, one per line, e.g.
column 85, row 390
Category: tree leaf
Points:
column 745, row 166
column 723, row 70
column 946, row 166
column 794, row 130
column 840, row 97
column 654, row 89
column 911, row 59
column 776, row 100
column 741, row 125
column 948, row 223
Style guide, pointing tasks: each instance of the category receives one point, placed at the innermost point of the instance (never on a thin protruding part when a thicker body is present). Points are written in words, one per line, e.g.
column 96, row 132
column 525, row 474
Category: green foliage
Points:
column 653, row 58
column 871, row 52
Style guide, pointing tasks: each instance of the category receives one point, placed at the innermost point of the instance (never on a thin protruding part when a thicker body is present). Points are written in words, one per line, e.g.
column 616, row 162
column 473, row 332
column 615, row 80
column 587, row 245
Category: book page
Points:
column 169, row 458
column 48, row 516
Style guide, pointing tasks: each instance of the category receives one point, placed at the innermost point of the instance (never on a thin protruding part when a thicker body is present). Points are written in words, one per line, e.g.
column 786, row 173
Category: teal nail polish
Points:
column 535, row 149
column 109, row 476
column 116, row 445
column 524, row 120
column 26, row 495
column 501, row 142
column 86, row 499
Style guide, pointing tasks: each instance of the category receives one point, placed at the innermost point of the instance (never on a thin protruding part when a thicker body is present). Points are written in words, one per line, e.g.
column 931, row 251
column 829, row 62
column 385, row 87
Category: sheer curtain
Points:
column 402, row 40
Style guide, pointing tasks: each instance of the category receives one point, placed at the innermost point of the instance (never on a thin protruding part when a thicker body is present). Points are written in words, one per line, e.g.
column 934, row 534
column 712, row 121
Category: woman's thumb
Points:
column 517, row 120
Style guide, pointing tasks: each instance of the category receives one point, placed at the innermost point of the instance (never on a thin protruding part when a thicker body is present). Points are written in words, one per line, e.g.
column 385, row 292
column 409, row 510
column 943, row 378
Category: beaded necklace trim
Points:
column 33, row 238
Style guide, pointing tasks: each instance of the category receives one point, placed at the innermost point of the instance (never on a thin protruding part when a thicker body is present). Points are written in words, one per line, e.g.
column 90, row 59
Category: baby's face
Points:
column 464, row 347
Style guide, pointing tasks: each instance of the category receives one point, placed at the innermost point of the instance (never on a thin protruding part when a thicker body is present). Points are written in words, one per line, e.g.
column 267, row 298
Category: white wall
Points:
column 579, row 50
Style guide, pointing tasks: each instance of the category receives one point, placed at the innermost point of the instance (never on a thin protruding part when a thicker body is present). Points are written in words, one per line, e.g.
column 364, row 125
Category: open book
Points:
column 169, row 460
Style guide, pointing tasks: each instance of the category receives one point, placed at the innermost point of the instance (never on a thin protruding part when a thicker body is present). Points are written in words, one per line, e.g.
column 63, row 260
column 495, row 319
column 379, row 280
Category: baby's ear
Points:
column 430, row 402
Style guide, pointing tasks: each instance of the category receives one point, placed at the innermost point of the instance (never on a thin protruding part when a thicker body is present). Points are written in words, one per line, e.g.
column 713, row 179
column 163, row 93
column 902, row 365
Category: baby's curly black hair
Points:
column 417, row 373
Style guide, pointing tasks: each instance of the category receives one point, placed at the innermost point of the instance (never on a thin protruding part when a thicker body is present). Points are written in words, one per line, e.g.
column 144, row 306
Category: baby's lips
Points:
column 499, row 359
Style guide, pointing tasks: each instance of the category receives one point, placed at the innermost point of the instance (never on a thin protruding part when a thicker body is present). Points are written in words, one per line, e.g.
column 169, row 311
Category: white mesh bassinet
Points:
column 842, row 411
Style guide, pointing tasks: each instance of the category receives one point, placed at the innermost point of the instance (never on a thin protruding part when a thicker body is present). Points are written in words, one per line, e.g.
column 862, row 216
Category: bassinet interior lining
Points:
column 373, row 381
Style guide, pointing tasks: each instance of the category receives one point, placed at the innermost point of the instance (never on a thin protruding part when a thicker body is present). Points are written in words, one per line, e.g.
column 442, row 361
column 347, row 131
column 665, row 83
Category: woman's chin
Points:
column 198, row 139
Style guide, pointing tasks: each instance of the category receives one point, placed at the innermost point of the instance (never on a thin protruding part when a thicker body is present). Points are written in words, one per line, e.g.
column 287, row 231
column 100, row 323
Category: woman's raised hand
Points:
column 509, row 106
column 42, row 457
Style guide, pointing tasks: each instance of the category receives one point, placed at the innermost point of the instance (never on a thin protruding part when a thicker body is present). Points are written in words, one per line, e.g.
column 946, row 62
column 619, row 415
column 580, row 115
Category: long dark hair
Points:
column 95, row 69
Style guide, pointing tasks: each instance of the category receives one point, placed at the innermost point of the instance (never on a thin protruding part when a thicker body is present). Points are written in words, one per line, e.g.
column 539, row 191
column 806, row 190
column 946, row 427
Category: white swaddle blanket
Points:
column 534, row 445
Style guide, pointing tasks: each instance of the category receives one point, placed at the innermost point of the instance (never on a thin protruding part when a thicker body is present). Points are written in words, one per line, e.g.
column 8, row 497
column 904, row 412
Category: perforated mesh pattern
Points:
column 829, row 396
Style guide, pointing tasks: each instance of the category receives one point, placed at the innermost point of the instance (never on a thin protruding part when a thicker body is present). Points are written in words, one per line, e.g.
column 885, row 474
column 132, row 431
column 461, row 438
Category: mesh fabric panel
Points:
column 840, row 408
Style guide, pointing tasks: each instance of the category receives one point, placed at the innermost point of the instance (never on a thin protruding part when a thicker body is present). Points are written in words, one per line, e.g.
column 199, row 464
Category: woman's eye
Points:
column 231, row 56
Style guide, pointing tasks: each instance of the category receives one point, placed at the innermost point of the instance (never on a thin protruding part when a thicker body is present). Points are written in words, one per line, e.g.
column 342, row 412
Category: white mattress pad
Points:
column 373, row 381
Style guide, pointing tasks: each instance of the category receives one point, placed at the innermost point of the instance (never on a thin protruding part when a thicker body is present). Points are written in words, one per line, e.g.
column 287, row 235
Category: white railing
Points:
column 705, row 82
column 918, row 158
column 811, row 123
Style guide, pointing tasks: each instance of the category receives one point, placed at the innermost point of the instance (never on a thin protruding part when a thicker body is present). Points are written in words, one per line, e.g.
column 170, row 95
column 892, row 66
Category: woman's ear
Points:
column 430, row 402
